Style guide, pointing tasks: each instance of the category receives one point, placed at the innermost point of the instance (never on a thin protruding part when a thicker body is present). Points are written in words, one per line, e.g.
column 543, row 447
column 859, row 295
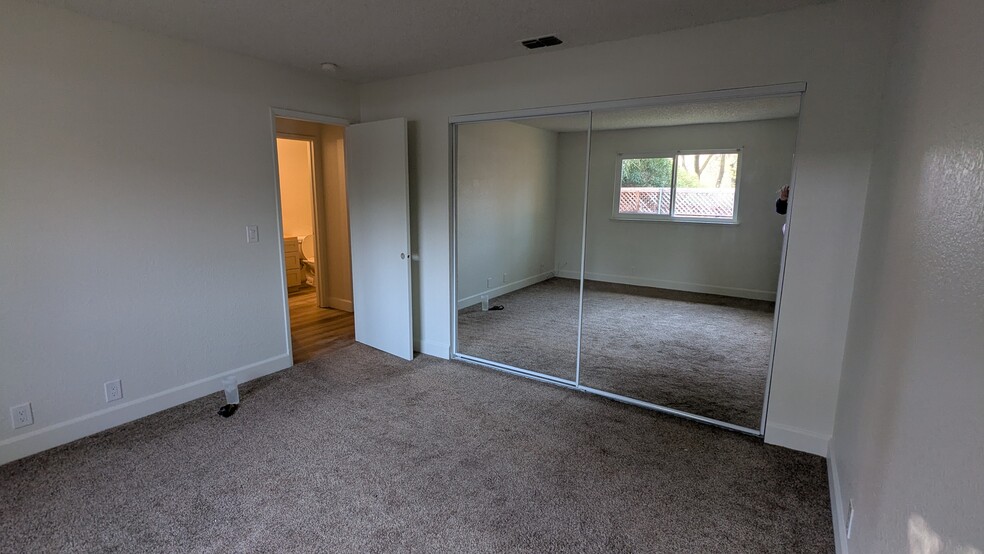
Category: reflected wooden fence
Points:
column 690, row 202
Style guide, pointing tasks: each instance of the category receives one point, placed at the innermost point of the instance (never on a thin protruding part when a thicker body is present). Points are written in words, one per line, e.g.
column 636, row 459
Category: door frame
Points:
column 783, row 89
column 287, row 113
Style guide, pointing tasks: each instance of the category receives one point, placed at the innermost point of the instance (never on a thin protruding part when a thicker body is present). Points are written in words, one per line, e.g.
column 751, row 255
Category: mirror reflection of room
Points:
column 517, row 295
column 682, row 253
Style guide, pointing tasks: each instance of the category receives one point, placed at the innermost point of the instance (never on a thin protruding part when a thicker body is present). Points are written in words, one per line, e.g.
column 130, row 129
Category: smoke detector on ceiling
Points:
column 329, row 67
column 541, row 42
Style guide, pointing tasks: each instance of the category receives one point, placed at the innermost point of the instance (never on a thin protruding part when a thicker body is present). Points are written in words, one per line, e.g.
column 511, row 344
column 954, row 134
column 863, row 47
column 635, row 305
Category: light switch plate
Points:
column 252, row 234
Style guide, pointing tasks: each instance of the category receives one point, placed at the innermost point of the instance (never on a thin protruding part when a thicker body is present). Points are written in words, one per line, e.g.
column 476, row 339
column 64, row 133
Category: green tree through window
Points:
column 647, row 172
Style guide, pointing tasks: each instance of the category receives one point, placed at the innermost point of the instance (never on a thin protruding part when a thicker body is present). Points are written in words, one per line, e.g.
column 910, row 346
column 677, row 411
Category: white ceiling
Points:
column 722, row 111
column 379, row 39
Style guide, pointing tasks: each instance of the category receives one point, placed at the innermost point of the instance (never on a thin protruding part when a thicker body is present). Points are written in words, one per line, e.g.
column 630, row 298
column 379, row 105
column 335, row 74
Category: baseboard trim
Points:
column 752, row 294
column 795, row 438
column 340, row 304
column 836, row 503
column 65, row 432
column 437, row 349
column 504, row 289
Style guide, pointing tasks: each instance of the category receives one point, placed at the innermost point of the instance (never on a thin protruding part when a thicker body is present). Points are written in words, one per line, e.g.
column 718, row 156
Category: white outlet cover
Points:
column 22, row 415
column 114, row 390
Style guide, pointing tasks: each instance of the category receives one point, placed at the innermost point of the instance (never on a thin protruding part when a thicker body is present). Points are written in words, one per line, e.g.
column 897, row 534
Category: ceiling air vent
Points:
column 542, row 42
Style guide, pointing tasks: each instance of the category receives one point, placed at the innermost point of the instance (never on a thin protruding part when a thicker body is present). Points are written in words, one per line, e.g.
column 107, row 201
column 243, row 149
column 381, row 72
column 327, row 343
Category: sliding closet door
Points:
column 519, row 200
column 682, row 254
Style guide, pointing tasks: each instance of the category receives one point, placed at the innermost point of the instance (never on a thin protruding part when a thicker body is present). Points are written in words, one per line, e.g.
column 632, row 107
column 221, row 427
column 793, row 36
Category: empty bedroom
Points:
column 636, row 276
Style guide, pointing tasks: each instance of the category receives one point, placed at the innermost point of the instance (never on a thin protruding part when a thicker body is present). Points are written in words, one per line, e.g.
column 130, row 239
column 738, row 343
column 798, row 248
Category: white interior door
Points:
column 377, row 183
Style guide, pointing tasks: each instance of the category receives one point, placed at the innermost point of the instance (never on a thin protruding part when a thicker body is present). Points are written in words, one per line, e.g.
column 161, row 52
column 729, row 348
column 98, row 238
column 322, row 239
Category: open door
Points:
column 379, row 219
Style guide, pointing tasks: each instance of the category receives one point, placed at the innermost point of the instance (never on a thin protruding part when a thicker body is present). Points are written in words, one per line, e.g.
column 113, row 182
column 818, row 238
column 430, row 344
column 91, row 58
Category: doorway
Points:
column 314, row 220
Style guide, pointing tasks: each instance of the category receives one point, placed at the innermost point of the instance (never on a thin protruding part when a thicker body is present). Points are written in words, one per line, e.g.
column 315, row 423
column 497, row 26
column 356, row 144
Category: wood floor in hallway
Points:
column 314, row 330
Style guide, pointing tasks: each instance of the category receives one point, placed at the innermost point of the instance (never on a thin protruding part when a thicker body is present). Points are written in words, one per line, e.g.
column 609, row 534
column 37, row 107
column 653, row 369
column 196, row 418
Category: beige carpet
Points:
column 536, row 330
column 699, row 353
column 359, row 451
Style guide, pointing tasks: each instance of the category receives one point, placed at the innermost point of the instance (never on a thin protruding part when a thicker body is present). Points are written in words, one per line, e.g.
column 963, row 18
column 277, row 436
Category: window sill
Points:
column 668, row 219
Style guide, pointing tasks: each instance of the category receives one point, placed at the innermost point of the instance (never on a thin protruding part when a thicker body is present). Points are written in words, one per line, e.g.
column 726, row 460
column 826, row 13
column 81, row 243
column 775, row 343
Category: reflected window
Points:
column 685, row 186
column 645, row 185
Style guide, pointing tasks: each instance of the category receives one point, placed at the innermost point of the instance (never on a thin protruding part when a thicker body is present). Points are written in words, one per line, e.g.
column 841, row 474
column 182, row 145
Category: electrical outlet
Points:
column 22, row 416
column 252, row 234
column 850, row 517
column 114, row 390
column 504, row 277
column 488, row 283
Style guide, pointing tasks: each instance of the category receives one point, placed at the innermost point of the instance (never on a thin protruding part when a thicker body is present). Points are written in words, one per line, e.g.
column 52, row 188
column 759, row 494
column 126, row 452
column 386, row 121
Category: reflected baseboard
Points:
column 736, row 292
column 504, row 289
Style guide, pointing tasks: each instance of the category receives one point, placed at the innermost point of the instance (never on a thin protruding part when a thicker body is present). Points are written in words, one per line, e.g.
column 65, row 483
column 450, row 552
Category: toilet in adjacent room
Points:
column 308, row 251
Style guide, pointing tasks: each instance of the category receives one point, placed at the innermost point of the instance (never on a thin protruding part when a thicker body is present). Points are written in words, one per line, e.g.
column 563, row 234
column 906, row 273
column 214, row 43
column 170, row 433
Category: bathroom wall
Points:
column 296, row 172
column 329, row 172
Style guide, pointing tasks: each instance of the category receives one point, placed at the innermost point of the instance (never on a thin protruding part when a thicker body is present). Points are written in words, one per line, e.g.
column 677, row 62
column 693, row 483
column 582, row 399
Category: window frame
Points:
column 671, row 217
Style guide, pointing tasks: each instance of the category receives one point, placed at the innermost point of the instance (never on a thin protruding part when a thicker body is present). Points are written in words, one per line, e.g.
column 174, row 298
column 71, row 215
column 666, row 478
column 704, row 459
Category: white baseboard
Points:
column 64, row 432
column 796, row 439
column 504, row 289
column 340, row 304
column 736, row 292
column 431, row 348
column 836, row 503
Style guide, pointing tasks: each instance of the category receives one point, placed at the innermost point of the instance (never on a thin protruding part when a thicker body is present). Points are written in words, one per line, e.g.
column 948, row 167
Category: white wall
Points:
column 734, row 260
column 129, row 167
column 838, row 48
column 507, row 177
column 910, row 418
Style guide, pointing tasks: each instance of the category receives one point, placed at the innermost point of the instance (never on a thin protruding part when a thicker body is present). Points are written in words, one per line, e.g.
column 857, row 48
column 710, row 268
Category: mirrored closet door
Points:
column 682, row 253
column 633, row 250
column 519, row 205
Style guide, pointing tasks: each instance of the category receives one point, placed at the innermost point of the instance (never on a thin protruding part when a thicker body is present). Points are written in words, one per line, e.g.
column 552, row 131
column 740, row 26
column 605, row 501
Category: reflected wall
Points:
column 682, row 256
column 512, row 308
